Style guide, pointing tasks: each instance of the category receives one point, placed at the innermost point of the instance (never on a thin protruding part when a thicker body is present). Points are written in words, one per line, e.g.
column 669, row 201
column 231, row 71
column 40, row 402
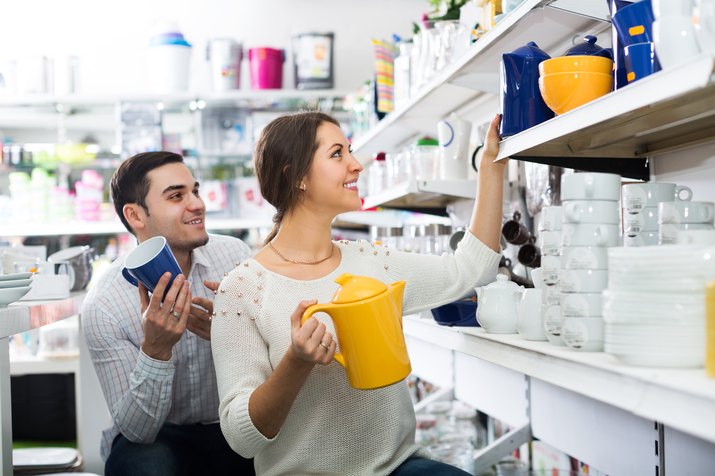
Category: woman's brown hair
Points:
column 283, row 156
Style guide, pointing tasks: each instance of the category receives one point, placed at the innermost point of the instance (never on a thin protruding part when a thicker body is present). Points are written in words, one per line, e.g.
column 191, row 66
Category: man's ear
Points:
column 135, row 216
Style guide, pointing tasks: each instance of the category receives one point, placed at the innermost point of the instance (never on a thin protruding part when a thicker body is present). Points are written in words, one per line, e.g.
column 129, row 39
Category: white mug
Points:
column 584, row 257
column 583, row 333
column 529, row 323
column 453, row 134
column 639, row 195
column 668, row 232
column 551, row 316
column 552, row 295
column 551, row 266
column 583, row 280
column 646, row 219
column 549, row 242
column 550, row 219
column 644, row 238
column 590, row 186
column 695, row 237
column 590, row 211
column 581, row 305
column 590, row 234
column 686, row 212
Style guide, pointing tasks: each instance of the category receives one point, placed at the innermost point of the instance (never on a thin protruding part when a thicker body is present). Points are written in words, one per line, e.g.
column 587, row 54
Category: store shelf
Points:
column 40, row 365
column 26, row 315
column 666, row 111
column 422, row 194
column 116, row 227
column 681, row 399
column 551, row 24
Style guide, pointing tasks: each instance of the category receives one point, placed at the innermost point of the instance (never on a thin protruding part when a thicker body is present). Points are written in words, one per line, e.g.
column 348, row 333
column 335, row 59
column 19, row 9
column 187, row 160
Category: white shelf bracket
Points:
column 501, row 447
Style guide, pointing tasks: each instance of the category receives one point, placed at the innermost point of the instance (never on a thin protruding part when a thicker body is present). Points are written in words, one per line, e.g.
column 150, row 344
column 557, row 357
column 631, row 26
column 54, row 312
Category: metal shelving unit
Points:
column 422, row 194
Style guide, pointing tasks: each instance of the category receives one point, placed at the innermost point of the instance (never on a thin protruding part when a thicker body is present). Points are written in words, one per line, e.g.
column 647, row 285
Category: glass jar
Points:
column 436, row 238
column 425, row 157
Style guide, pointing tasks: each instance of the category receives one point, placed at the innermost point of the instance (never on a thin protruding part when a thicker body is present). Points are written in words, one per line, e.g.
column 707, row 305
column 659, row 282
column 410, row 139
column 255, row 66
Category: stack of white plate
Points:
column 13, row 287
column 654, row 309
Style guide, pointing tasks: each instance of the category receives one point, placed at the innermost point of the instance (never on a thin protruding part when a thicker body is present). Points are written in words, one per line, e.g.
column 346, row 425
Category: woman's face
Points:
column 331, row 183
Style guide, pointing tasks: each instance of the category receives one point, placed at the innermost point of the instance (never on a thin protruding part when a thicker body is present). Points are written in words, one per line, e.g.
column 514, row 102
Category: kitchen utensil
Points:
column 77, row 263
column 496, row 306
column 579, row 63
column 453, row 134
column 634, row 22
column 520, row 98
column 367, row 315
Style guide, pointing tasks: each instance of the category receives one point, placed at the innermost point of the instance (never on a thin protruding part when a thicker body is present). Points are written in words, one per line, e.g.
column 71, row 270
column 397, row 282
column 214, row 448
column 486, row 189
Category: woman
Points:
column 283, row 399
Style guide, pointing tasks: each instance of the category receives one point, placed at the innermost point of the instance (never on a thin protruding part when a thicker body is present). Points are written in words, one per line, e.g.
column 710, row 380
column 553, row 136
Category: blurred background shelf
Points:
column 551, row 24
column 116, row 227
column 422, row 194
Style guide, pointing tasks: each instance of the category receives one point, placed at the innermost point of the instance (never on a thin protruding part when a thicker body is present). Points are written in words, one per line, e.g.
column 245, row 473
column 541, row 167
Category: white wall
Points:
column 693, row 167
column 111, row 37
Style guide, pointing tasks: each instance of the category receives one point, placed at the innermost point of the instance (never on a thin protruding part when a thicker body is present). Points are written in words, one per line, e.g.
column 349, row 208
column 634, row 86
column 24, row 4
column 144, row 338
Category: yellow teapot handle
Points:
column 326, row 309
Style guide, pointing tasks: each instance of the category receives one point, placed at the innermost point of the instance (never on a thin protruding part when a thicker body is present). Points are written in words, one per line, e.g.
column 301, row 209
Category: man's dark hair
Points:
column 130, row 182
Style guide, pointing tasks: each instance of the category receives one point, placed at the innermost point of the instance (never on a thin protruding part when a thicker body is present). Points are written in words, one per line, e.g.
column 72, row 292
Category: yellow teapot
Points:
column 367, row 316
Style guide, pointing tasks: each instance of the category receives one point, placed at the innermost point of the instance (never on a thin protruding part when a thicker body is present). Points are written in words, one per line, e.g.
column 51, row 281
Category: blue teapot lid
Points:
column 589, row 47
column 530, row 50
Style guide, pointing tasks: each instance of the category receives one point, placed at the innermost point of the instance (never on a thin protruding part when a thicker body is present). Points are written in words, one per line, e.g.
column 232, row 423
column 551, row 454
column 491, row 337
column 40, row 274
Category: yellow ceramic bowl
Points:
column 576, row 63
column 565, row 91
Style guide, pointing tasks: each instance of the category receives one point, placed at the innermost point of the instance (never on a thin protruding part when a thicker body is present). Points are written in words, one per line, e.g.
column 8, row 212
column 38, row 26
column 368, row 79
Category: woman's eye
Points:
column 337, row 153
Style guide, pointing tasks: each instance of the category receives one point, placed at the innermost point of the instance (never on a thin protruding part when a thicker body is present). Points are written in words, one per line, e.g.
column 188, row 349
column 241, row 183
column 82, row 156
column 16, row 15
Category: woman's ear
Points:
column 135, row 216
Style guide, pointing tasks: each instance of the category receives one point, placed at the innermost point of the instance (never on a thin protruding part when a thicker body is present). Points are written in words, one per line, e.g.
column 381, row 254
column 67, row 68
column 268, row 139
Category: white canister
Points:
column 453, row 134
column 225, row 55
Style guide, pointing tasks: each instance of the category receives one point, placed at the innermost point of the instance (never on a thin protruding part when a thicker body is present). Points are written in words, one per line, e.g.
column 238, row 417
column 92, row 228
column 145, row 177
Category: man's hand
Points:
column 164, row 323
column 200, row 315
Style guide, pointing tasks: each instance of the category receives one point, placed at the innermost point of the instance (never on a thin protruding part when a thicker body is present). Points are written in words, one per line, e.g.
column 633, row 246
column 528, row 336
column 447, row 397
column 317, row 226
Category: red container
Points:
column 266, row 68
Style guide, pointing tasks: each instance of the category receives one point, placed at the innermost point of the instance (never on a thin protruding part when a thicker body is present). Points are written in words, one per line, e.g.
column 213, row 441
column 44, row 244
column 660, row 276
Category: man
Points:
column 153, row 362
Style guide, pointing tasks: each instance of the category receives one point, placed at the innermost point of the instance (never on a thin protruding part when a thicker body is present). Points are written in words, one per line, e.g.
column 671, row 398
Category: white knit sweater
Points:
column 331, row 427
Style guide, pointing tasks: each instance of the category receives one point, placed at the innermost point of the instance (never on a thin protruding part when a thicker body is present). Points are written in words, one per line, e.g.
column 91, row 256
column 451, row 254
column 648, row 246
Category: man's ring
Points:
column 176, row 314
column 325, row 345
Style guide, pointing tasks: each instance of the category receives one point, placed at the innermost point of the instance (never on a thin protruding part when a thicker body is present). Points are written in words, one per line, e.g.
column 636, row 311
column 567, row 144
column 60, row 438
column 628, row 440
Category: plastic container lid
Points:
column 356, row 288
column 427, row 141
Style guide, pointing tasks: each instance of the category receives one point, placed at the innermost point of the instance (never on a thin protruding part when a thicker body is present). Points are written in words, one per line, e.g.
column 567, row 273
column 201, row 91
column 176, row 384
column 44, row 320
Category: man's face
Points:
column 175, row 209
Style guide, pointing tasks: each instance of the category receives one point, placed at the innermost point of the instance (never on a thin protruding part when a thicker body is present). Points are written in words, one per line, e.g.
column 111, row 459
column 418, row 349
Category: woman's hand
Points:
column 310, row 342
column 491, row 149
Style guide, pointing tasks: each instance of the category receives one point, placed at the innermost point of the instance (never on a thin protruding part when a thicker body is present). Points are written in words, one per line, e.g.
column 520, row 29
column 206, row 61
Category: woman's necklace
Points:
column 295, row 261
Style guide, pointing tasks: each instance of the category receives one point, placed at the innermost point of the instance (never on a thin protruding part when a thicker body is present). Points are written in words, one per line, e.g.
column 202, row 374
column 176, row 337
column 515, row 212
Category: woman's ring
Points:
column 325, row 345
column 176, row 314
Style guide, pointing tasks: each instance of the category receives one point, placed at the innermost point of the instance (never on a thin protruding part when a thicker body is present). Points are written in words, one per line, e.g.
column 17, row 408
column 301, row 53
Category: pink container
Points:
column 266, row 68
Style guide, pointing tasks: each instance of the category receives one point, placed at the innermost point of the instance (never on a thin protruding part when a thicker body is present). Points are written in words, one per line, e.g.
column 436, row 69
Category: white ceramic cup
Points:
column 552, row 295
column 686, row 212
column 584, row 257
column 668, row 232
column 644, row 238
column 639, row 195
column 590, row 234
column 704, row 22
column 529, row 323
column 551, row 266
column 550, row 219
column 646, row 219
column 581, row 305
column 583, row 333
column 674, row 40
column 549, row 242
column 537, row 277
column 583, row 280
column 590, row 186
column 551, row 316
column 695, row 237
column 590, row 211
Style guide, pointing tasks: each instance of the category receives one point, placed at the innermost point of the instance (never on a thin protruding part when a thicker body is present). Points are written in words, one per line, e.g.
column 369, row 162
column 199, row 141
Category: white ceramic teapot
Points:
column 497, row 305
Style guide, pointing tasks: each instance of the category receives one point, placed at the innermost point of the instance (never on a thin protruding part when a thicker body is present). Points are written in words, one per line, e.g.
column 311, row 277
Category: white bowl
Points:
column 581, row 305
column 584, row 257
column 583, row 333
column 10, row 295
column 584, row 280
column 591, row 211
column 17, row 283
column 14, row 276
column 590, row 234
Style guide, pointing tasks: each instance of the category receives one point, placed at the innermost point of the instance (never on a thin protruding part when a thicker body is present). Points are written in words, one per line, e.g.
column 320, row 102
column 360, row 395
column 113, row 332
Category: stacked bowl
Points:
column 582, row 75
column 590, row 214
column 654, row 309
column 13, row 287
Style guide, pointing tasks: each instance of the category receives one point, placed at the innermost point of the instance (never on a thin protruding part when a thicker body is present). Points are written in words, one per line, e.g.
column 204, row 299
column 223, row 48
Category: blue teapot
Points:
column 590, row 48
column 521, row 103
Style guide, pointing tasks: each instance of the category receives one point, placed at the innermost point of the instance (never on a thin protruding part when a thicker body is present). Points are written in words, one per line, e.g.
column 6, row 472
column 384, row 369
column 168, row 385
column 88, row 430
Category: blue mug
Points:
column 641, row 61
column 149, row 261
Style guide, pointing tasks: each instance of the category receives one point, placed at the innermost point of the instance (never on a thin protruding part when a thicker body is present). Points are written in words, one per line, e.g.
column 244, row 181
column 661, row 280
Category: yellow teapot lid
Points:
column 356, row 288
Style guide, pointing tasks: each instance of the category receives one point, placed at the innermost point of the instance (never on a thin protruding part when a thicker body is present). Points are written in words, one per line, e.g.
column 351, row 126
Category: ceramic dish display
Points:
column 14, row 276
column 10, row 295
column 16, row 283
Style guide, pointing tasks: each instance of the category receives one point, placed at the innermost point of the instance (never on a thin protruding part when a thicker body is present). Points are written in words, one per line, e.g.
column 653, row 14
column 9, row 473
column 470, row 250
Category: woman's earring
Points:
column 302, row 186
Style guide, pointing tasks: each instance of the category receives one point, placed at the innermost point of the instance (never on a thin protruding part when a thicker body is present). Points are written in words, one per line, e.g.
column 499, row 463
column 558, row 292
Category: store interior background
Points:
column 110, row 40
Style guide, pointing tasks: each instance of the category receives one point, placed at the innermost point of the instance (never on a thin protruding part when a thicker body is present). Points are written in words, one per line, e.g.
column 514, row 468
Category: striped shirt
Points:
column 143, row 393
